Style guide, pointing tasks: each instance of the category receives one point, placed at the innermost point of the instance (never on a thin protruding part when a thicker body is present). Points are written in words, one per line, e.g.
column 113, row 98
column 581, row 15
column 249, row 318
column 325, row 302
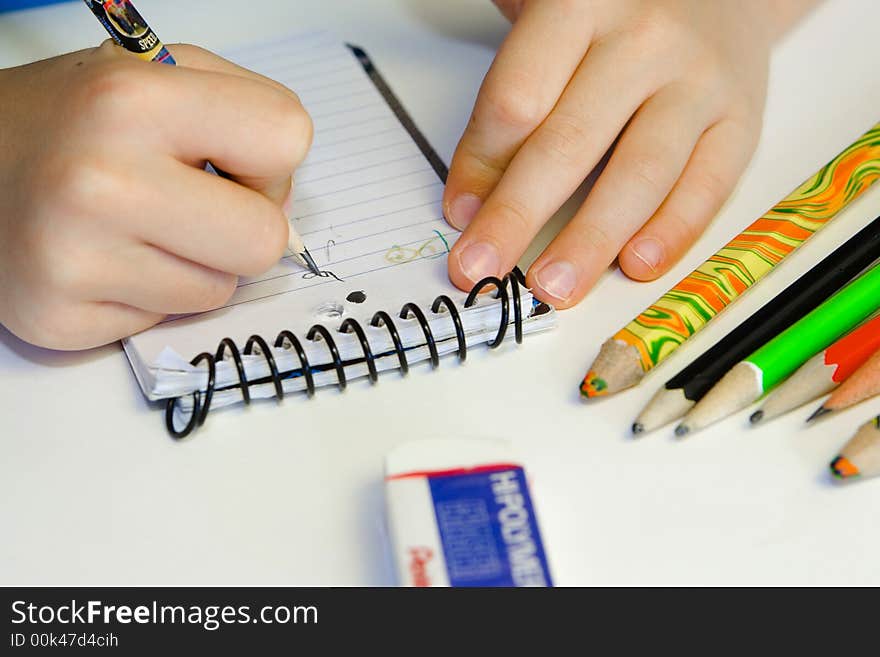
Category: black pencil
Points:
column 687, row 387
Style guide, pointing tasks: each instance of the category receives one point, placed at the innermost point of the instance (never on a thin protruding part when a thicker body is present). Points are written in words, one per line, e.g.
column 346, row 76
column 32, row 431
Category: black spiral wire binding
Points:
column 381, row 318
column 320, row 329
column 412, row 309
column 352, row 324
column 257, row 345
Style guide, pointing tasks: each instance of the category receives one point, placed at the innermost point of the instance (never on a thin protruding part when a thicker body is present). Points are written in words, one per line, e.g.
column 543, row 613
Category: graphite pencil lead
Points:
column 819, row 412
column 665, row 406
column 637, row 428
column 682, row 430
column 756, row 417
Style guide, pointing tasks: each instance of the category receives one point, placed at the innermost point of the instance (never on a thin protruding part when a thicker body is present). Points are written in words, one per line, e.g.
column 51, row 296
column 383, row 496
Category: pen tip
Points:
column 756, row 417
column 310, row 261
column 638, row 428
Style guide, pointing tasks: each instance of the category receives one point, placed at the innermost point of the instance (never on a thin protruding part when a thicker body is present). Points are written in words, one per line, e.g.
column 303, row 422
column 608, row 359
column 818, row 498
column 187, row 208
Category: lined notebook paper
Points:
column 367, row 204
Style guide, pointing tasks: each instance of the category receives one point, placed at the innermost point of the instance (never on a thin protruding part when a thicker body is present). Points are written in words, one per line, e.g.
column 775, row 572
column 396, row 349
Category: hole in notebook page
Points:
column 357, row 296
column 329, row 310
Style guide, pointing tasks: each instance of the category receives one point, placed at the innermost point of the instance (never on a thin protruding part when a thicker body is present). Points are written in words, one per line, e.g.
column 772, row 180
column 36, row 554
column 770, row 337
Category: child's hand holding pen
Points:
column 108, row 221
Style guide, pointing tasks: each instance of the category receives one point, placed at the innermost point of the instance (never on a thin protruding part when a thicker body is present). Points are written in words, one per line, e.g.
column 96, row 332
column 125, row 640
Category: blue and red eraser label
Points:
column 465, row 524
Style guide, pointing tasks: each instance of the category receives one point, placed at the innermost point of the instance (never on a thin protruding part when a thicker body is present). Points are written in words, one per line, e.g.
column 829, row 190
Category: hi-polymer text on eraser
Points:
column 460, row 514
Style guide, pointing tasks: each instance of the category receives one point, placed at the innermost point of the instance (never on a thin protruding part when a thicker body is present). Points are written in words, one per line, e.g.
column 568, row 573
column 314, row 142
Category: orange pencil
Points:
column 862, row 385
column 823, row 372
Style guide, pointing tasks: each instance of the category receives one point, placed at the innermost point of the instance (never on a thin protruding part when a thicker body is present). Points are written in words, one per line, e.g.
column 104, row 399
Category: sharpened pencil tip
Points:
column 682, row 430
column 638, row 428
column 819, row 412
column 756, row 417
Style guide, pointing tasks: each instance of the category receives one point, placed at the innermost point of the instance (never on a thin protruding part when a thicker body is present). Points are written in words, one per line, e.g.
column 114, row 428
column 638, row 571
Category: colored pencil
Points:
column 687, row 387
column 692, row 303
column 779, row 358
column 860, row 457
column 128, row 29
column 823, row 372
column 863, row 384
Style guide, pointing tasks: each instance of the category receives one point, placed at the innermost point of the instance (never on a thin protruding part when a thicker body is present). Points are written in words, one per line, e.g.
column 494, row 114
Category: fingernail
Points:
column 649, row 251
column 557, row 279
column 463, row 209
column 480, row 259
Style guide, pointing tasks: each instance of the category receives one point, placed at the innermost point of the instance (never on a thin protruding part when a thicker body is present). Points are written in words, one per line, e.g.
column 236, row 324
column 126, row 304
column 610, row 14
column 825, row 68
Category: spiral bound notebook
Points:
column 368, row 204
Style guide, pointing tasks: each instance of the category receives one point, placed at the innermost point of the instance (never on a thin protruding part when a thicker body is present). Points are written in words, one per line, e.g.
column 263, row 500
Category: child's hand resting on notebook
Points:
column 108, row 221
column 680, row 82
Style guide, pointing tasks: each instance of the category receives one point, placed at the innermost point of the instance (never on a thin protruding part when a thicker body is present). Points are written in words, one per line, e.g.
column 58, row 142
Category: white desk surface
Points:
column 92, row 490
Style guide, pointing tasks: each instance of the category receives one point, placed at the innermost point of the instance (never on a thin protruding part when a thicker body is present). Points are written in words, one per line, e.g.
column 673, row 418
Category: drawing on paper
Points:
column 323, row 274
column 434, row 248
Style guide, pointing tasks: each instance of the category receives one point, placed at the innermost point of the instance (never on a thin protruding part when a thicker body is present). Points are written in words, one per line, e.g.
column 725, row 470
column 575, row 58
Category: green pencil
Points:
column 780, row 357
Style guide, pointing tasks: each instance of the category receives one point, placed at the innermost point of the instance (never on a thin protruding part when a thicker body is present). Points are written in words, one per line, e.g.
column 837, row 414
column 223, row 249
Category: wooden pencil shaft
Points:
column 811, row 381
column 294, row 241
column 736, row 390
column 666, row 406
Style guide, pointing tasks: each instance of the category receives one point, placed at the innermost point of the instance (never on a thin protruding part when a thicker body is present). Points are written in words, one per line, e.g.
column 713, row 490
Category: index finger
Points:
column 529, row 73
column 251, row 126
column 204, row 60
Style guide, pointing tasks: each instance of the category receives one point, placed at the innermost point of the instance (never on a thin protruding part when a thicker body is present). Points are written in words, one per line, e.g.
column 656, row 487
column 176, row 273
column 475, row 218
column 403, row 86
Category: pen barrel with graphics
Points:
column 128, row 29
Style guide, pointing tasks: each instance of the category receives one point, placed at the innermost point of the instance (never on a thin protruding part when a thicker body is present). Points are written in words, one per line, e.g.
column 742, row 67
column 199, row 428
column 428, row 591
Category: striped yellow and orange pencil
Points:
column 692, row 303
column 860, row 457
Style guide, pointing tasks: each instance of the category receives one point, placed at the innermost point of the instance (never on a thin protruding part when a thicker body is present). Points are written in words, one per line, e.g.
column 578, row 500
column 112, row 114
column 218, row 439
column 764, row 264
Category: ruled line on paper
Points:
column 375, row 198
column 368, row 166
column 314, row 162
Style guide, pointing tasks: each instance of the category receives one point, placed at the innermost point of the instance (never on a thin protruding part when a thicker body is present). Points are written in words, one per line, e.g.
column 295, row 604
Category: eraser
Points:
column 460, row 514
